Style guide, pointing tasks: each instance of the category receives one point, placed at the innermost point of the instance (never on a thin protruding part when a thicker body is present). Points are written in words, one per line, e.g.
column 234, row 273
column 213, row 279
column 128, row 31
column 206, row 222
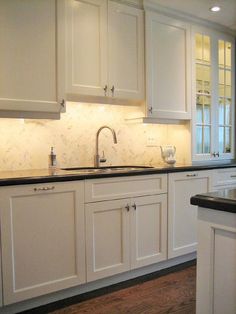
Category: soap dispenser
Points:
column 52, row 159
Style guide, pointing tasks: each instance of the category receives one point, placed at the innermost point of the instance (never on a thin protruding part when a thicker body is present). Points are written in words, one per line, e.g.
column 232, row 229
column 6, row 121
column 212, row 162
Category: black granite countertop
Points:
column 59, row 175
column 223, row 200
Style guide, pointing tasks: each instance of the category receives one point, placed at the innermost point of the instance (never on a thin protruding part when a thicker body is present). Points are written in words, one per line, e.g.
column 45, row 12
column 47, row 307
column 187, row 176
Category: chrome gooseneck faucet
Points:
column 97, row 159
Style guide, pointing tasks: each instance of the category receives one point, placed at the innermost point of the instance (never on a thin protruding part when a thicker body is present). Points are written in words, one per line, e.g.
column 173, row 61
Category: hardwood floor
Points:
column 172, row 293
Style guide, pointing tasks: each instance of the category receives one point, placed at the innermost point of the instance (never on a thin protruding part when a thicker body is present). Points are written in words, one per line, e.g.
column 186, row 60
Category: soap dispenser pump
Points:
column 52, row 159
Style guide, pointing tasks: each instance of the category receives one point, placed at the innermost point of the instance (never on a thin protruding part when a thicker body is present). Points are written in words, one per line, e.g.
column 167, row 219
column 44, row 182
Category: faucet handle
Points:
column 103, row 158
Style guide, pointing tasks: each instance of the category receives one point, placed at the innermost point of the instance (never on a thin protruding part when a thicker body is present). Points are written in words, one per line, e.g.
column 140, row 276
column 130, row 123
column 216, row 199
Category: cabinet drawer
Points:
column 116, row 188
column 224, row 177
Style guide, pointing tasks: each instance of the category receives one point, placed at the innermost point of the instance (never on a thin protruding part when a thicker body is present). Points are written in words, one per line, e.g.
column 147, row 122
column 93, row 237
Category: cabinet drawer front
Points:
column 115, row 188
column 224, row 177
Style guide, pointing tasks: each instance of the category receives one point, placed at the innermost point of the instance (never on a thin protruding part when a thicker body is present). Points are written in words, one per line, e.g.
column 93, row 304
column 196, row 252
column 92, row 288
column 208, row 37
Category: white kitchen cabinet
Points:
column 216, row 272
column 42, row 229
column 1, row 303
column 32, row 57
column 182, row 216
column 168, row 64
column 107, row 239
column 124, row 233
column 148, row 223
column 105, row 51
column 213, row 95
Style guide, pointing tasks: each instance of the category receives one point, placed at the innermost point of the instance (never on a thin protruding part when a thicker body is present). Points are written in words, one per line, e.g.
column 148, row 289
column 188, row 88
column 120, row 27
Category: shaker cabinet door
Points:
column 182, row 216
column 167, row 67
column 42, row 228
column 126, row 51
column 31, row 56
column 86, row 25
column 107, row 238
column 148, row 230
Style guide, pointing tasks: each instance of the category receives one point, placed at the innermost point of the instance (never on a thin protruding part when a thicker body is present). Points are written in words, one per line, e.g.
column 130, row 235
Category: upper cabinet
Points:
column 213, row 95
column 105, row 51
column 168, row 64
column 31, row 57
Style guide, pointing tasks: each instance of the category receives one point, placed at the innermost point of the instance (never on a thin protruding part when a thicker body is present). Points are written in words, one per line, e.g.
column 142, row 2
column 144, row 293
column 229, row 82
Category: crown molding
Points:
column 152, row 6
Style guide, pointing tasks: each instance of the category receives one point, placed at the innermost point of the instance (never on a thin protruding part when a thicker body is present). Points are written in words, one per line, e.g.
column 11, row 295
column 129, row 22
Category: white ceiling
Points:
column 200, row 9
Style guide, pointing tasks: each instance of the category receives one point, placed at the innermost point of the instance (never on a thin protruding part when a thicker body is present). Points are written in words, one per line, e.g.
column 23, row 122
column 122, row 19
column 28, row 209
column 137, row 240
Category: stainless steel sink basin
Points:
column 106, row 169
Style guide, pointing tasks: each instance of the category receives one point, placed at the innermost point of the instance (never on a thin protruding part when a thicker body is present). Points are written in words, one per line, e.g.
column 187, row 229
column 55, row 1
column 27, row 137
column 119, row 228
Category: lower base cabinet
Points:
column 42, row 231
column 182, row 216
column 125, row 234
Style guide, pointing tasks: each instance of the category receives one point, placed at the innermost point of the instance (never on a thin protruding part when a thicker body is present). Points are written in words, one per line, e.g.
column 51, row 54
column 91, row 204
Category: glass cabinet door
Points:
column 203, row 94
column 224, row 97
column 214, row 102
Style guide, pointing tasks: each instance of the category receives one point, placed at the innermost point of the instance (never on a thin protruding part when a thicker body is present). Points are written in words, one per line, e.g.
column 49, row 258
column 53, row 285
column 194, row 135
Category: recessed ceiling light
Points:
column 215, row 8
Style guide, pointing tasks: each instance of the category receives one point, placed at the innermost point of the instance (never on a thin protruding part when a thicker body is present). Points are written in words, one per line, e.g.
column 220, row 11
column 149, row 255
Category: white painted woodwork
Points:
column 148, row 230
column 216, row 267
column 105, row 48
column 107, row 239
column 126, row 51
column 182, row 216
column 43, row 236
column 222, row 178
column 32, row 55
column 86, row 47
column 1, row 284
column 168, row 66
column 124, row 187
column 214, row 55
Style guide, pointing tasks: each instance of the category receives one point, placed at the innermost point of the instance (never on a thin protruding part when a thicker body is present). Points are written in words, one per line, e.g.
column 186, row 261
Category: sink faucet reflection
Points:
column 97, row 159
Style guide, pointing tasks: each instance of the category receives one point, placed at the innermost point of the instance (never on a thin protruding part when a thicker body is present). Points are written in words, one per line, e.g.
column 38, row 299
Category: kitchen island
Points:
column 216, row 264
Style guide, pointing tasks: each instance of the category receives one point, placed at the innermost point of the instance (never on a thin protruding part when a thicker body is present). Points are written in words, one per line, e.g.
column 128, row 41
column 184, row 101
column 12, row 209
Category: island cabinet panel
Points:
column 216, row 284
column 182, row 216
column 1, row 301
column 42, row 228
column 32, row 56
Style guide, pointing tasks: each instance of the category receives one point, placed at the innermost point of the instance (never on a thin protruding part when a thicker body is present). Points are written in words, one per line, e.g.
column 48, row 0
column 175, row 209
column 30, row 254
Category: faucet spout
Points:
column 97, row 159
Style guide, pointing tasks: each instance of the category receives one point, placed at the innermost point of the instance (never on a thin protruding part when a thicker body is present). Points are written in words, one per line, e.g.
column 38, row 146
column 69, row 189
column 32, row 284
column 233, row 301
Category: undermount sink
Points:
column 107, row 169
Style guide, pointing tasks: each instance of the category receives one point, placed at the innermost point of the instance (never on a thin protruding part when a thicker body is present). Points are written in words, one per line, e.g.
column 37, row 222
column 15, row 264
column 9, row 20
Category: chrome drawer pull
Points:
column 192, row 175
column 134, row 206
column 48, row 188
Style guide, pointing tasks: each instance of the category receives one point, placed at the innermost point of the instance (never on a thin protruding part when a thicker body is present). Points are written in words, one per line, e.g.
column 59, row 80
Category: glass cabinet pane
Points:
column 221, row 53
column 228, row 54
column 198, row 46
column 227, row 111
column 199, row 140
column 207, row 137
column 206, row 48
column 221, row 112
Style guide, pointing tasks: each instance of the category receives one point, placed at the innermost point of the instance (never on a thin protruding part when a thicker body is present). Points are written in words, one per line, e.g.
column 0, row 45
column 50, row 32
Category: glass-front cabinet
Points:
column 213, row 95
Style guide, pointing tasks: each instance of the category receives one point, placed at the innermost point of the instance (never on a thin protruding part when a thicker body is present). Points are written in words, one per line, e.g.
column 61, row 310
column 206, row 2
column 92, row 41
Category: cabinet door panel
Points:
column 40, row 232
column 86, row 47
column 107, row 239
column 148, row 230
column 168, row 67
column 126, row 51
column 29, row 56
column 182, row 217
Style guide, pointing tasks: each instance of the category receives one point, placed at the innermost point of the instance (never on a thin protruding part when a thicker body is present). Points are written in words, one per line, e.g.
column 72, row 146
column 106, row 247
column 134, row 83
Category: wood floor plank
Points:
column 173, row 293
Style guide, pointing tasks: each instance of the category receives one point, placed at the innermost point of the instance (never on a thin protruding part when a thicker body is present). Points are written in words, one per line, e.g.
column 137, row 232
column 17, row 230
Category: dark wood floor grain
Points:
column 172, row 293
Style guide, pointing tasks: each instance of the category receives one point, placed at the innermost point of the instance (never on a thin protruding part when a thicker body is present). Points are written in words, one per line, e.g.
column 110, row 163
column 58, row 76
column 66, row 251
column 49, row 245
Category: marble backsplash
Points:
column 25, row 144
